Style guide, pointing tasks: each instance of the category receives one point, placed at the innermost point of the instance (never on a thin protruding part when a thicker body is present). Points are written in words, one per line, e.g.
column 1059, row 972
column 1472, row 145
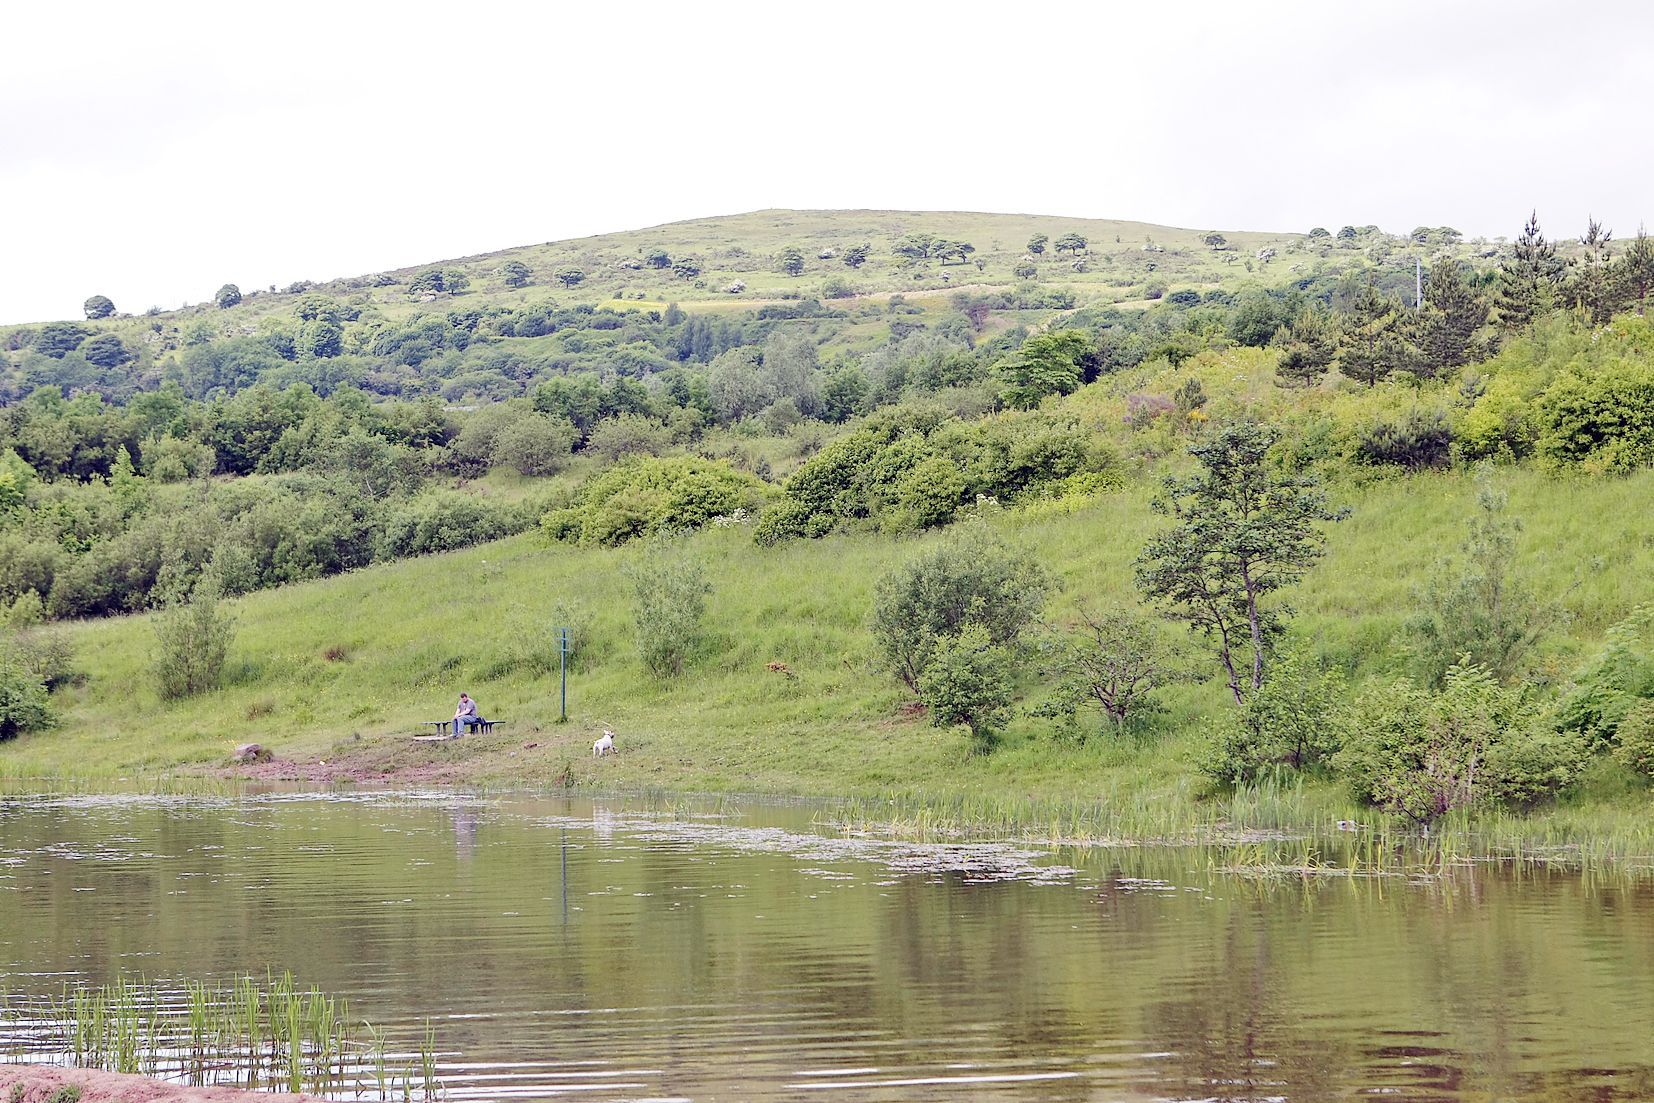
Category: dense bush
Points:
column 1603, row 421
column 24, row 705
column 649, row 495
column 1290, row 721
column 968, row 681
column 192, row 640
column 1421, row 439
column 669, row 590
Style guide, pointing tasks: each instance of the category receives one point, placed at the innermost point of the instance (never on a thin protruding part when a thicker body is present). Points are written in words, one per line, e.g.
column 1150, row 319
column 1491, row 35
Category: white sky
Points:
column 152, row 151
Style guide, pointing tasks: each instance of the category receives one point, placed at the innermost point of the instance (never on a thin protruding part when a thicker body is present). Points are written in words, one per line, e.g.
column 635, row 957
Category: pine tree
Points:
column 1528, row 279
column 1639, row 269
column 1594, row 286
column 1375, row 340
column 1307, row 348
column 1450, row 316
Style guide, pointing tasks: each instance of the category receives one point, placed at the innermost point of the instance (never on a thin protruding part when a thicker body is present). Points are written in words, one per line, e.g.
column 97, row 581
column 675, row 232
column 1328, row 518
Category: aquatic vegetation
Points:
column 271, row 1036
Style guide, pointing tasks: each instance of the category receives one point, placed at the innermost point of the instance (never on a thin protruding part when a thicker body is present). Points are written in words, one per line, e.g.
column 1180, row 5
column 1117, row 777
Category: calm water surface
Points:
column 572, row 950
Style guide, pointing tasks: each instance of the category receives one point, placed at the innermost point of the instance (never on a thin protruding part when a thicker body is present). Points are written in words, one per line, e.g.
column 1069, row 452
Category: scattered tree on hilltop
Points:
column 514, row 273
column 1528, row 279
column 856, row 255
column 686, row 269
column 1593, row 284
column 916, row 246
column 228, row 295
column 98, row 306
column 1216, row 241
column 1071, row 243
column 570, row 277
column 1240, row 532
column 1036, row 244
column 790, row 260
column 658, row 258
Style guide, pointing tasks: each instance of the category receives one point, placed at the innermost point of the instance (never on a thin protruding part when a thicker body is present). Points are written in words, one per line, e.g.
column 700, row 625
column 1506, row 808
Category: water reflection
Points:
column 610, row 953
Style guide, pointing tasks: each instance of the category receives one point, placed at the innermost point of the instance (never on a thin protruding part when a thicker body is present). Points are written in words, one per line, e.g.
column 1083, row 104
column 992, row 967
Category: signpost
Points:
column 563, row 670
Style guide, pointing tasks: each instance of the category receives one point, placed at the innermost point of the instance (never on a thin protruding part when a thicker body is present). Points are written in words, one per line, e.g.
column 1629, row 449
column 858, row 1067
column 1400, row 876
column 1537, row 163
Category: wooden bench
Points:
column 444, row 729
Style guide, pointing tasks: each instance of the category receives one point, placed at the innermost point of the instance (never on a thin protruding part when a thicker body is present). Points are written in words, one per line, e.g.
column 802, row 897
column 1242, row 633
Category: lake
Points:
column 572, row 949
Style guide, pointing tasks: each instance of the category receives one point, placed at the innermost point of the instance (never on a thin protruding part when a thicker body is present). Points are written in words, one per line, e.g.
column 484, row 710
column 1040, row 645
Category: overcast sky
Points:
column 152, row 152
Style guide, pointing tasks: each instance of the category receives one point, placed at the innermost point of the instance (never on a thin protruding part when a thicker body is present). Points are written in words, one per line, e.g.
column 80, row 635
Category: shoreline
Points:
column 48, row 1083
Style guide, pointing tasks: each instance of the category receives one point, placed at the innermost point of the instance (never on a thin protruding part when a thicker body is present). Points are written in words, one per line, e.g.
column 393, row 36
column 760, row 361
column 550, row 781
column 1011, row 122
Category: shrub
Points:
column 968, row 579
column 1113, row 662
column 1423, row 754
column 534, row 445
column 648, row 495
column 628, row 435
column 1290, row 721
column 968, row 681
column 1614, row 682
column 192, row 640
column 1422, row 439
column 24, row 706
column 1634, row 739
column 443, row 520
column 1604, row 422
column 668, row 604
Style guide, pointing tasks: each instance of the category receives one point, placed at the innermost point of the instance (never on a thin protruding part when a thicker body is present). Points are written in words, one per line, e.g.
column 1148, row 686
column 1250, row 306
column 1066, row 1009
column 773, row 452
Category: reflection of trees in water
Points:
column 1230, row 1035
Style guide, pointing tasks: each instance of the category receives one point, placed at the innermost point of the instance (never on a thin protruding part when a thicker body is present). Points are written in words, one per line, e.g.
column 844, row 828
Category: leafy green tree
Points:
column 956, row 252
column 98, row 306
column 514, row 273
column 228, row 295
column 321, row 339
column 431, row 280
column 968, row 681
column 843, row 393
column 1241, row 532
column 1475, row 609
column 455, row 281
column 1528, row 279
column 686, row 269
column 658, row 258
column 1216, row 241
column 570, row 277
column 1048, row 364
column 534, row 445
column 1071, row 243
column 790, row 260
column 916, row 246
column 1025, row 270
column 1319, row 232
column 1634, row 739
column 1257, row 316
column 192, row 639
column 1451, row 314
column 1308, row 346
column 967, row 579
column 856, row 255
column 669, row 591
column 1036, row 244
column 1114, row 662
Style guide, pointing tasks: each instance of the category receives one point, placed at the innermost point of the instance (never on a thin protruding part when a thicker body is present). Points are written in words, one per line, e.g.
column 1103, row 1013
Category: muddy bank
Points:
column 40, row 1083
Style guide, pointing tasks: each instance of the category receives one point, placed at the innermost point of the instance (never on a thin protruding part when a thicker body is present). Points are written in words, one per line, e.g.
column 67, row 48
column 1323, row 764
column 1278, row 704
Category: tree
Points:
column 957, row 252
column 1451, row 314
column 1071, row 243
column 1528, row 279
column 1474, row 610
column 1048, row 364
column 534, row 445
column 1112, row 662
column 658, row 258
column 59, row 339
column 1307, row 348
column 1025, row 270
column 1291, row 721
column 916, row 246
column 98, row 306
column 967, row 579
column 1036, row 244
column 686, row 269
column 1240, row 533
column 514, row 273
column 1374, row 338
column 24, row 704
column 790, row 260
column 228, row 295
column 570, row 277
column 1218, row 241
column 1638, row 263
column 856, row 255
column 1319, row 232
column 1594, row 286
column 968, row 681
column 669, row 590
column 192, row 639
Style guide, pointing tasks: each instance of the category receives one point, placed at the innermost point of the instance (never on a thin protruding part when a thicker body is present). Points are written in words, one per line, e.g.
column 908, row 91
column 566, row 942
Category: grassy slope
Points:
column 416, row 633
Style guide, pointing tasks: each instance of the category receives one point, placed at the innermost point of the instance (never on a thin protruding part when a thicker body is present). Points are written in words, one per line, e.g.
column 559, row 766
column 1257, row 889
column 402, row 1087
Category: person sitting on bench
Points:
column 466, row 714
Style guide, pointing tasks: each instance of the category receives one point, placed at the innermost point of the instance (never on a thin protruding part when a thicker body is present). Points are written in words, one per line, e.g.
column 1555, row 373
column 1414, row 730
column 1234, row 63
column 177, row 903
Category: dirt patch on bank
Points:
column 534, row 757
column 41, row 1082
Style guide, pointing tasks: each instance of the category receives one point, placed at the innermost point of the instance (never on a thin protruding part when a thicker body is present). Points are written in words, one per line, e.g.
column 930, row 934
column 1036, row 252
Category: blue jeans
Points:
column 468, row 721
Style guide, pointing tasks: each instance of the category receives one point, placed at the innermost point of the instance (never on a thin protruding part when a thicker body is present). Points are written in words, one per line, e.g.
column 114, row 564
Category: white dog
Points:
column 606, row 745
